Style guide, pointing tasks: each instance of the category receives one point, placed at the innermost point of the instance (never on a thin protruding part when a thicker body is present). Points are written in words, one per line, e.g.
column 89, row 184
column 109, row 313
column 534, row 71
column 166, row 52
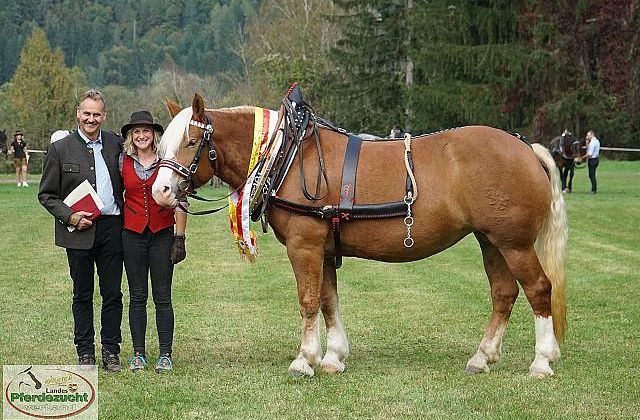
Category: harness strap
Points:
column 347, row 191
column 349, row 170
column 412, row 185
column 337, row 243
column 359, row 211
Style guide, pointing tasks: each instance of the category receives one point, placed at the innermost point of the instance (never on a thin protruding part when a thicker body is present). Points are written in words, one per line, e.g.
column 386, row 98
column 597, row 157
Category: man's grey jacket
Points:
column 68, row 163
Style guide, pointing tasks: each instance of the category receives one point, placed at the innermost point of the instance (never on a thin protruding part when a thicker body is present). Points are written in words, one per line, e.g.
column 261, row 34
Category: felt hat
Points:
column 18, row 132
column 141, row 118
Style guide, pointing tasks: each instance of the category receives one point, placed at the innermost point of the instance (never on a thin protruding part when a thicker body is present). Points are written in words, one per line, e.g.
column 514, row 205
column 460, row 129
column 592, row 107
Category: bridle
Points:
column 188, row 173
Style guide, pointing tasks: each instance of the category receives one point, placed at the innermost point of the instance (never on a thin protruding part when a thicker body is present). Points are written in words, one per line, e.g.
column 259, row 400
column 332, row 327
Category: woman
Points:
column 148, row 240
column 21, row 158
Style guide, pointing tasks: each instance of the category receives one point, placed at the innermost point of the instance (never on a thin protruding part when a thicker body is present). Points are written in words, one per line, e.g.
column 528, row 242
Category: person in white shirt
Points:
column 593, row 153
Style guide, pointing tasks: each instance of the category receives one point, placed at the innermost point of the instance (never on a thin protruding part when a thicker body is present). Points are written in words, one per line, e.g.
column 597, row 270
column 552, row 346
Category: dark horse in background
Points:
column 567, row 152
column 473, row 180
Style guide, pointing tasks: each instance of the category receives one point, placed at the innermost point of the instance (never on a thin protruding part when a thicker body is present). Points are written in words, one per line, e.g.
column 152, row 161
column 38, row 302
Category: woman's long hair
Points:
column 131, row 149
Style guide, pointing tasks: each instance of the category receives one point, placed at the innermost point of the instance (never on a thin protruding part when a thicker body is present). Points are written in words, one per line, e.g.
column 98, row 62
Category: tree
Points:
column 42, row 92
column 369, row 61
column 289, row 41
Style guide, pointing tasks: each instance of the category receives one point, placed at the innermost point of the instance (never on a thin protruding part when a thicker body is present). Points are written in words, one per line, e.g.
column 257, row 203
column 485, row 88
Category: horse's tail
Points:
column 551, row 243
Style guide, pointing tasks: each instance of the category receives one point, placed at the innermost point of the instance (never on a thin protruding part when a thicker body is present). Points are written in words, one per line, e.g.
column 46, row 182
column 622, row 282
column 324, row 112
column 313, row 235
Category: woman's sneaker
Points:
column 138, row 362
column 164, row 364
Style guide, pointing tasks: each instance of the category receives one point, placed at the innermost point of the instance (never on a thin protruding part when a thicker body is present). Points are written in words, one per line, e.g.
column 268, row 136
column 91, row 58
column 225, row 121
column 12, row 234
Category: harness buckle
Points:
column 193, row 168
column 213, row 155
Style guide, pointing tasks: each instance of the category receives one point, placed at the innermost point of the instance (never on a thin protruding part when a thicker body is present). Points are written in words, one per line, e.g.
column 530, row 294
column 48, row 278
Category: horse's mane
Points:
column 172, row 136
column 240, row 109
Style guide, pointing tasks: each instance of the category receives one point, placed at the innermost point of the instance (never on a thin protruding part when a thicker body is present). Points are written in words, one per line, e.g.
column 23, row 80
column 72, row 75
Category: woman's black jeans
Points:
column 148, row 253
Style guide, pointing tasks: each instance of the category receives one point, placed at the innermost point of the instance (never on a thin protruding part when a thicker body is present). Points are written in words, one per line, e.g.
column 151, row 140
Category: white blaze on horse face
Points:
column 166, row 183
column 164, row 186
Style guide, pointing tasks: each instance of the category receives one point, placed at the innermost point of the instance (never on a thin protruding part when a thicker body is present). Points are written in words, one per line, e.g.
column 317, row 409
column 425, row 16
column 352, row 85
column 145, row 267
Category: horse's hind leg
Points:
column 337, row 344
column 525, row 265
column 306, row 261
column 504, row 291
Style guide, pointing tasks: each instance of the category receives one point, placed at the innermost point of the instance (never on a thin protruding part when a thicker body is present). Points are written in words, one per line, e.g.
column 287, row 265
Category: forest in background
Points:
column 531, row 66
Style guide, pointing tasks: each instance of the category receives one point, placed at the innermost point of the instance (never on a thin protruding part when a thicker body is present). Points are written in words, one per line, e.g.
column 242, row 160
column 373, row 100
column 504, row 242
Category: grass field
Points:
column 412, row 327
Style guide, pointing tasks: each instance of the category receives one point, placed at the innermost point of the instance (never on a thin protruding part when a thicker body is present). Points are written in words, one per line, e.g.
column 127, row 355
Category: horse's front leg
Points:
column 571, row 172
column 337, row 344
column 306, row 258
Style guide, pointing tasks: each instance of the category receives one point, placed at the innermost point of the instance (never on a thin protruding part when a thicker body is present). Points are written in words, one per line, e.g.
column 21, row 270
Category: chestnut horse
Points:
column 477, row 179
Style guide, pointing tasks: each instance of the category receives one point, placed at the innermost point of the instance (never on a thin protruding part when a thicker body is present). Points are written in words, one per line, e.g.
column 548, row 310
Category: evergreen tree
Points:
column 367, row 82
column 42, row 91
column 470, row 65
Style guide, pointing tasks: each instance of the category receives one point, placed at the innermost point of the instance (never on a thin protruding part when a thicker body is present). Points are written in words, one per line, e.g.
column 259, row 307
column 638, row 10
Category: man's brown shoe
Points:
column 87, row 359
column 111, row 362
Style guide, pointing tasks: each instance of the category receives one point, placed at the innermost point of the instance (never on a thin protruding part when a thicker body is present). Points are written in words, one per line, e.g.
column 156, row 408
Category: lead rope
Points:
column 411, row 196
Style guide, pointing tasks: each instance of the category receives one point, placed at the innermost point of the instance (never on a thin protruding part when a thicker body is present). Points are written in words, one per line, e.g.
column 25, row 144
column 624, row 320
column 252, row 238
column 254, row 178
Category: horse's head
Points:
column 187, row 152
column 578, row 150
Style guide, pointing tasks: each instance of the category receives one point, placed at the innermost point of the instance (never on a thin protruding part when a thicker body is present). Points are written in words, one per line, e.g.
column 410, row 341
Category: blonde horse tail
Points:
column 551, row 243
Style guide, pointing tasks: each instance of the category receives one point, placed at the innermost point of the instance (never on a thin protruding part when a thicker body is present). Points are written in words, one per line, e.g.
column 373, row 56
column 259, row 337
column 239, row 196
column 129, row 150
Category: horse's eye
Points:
column 191, row 142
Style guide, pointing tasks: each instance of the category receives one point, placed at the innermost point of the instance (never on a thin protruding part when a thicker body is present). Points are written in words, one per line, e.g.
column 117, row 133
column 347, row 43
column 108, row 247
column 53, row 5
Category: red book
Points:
column 85, row 198
column 86, row 203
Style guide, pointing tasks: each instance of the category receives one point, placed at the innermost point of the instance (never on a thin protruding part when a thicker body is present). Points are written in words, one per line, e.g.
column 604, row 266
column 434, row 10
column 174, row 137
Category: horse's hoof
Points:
column 540, row 374
column 473, row 370
column 301, row 368
column 332, row 365
column 540, row 370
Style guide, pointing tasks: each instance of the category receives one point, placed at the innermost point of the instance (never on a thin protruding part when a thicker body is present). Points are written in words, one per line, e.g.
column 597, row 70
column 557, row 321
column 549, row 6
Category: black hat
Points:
column 141, row 118
column 18, row 132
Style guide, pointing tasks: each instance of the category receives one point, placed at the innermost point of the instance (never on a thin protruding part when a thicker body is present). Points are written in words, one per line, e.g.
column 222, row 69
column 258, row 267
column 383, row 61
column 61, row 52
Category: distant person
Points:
column 396, row 132
column 20, row 154
column 593, row 159
column 150, row 246
column 92, row 244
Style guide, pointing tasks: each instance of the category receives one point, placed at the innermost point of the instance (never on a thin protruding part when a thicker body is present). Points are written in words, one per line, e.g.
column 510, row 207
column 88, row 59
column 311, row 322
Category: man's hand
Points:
column 178, row 250
column 80, row 220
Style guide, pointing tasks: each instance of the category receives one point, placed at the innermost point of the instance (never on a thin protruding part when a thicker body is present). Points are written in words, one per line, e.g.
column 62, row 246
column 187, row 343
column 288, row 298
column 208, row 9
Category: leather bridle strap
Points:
column 189, row 172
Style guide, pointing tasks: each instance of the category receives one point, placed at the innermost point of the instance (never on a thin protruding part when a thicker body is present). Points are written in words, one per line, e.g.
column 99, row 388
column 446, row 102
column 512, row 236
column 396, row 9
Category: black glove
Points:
column 178, row 251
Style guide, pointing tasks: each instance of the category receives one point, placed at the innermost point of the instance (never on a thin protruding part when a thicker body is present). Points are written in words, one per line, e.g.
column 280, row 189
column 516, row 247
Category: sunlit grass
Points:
column 412, row 327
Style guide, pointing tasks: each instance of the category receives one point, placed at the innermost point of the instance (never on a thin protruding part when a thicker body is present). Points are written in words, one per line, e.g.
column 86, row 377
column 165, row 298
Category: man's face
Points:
column 90, row 116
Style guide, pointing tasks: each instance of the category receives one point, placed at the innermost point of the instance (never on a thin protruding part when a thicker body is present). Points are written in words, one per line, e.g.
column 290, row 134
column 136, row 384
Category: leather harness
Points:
column 346, row 209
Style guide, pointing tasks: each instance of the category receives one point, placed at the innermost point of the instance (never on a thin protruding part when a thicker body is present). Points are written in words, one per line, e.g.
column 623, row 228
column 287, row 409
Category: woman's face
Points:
column 142, row 136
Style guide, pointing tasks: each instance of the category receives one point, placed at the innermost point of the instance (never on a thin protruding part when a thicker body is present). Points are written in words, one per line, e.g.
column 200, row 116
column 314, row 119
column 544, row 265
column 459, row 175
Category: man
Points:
column 20, row 154
column 89, row 154
column 593, row 153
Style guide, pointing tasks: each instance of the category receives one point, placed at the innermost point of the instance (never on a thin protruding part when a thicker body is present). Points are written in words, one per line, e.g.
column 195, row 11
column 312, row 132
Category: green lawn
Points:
column 412, row 327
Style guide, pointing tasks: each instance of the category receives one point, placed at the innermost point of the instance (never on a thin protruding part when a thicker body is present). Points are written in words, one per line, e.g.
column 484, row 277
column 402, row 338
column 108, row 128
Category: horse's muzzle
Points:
column 164, row 196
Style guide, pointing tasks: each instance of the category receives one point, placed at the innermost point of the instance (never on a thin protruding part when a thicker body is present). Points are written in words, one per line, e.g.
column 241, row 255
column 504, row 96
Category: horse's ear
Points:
column 173, row 107
column 198, row 107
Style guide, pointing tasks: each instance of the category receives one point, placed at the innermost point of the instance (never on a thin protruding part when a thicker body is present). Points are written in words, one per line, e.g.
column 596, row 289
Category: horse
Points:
column 473, row 180
column 567, row 152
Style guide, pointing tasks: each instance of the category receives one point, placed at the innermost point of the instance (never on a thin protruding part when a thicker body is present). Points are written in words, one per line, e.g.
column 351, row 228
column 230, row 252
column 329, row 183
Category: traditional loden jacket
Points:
column 68, row 163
